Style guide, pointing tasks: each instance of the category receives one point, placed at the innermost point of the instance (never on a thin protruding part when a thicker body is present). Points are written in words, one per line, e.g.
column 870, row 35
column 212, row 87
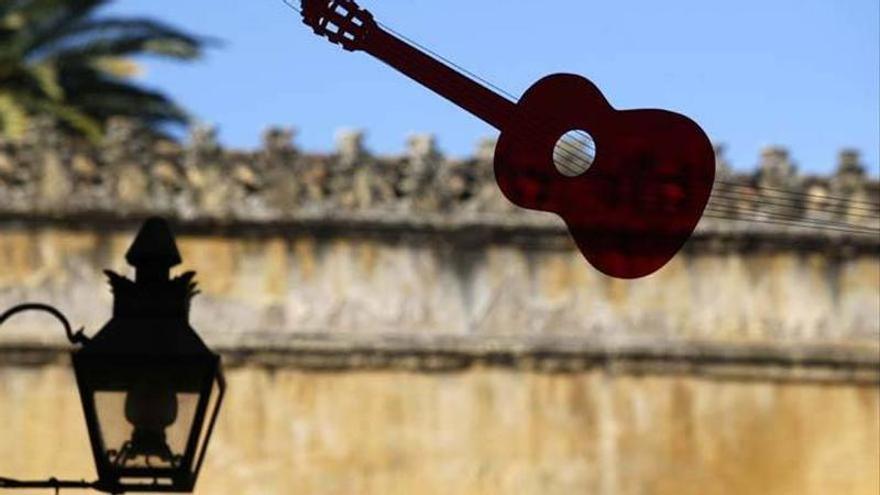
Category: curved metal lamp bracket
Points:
column 77, row 337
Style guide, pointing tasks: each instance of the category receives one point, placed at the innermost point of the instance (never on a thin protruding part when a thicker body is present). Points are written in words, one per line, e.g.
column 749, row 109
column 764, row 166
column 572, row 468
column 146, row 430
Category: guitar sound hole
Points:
column 574, row 153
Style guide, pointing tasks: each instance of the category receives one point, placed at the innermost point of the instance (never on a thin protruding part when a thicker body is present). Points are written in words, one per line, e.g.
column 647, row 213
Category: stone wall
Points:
column 133, row 174
column 391, row 325
column 488, row 431
column 445, row 291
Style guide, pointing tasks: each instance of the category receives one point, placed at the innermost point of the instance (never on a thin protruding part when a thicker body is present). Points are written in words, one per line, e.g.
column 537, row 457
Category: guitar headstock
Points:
column 342, row 22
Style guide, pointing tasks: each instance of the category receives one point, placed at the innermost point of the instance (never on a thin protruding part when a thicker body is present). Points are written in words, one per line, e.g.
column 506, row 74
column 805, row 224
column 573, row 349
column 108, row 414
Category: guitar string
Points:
column 711, row 213
column 794, row 205
column 735, row 212
column 841, row 221
column 572, row 153
column 577, row 154
column 585, row 144
column 775, row 216
column 870, row 204
column 569, row 156
column 574, row 157
column 854, row 228
column 292, row 6
column 722, row 215
column 576, row 151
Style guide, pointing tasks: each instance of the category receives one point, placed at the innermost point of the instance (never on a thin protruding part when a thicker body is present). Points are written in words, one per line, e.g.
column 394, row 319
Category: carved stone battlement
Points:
column 131, row 175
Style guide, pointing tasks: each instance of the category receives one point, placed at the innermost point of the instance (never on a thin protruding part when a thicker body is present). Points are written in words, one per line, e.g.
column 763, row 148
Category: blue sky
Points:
column 804, row 74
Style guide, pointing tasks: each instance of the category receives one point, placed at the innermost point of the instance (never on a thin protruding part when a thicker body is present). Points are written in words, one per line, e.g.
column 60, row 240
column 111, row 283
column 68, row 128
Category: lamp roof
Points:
column 150, row 318
column 154, row 245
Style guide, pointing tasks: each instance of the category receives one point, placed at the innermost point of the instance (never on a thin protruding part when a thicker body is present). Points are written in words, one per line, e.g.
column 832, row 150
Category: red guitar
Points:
column 630, row 185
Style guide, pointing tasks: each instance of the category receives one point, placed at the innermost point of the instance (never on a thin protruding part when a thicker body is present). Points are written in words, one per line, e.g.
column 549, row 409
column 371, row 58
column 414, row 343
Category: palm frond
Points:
column 46, row 76
column 129, row 45
column 77, row 119
column 14, row 118
column 117, row 67
column 59, row 58
column 48, row 19
column 95, row 32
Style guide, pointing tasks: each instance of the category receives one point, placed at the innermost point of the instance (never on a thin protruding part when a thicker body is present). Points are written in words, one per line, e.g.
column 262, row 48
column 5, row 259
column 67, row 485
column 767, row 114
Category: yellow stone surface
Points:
column 487, row 431
column 496, row 430
column 284, row 285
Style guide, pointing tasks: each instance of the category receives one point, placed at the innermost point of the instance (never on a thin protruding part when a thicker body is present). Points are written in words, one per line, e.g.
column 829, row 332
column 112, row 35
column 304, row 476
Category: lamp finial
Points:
column 153, row 251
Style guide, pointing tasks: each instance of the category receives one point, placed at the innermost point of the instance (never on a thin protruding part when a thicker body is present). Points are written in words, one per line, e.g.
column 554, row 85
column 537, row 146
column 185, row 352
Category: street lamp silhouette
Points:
column 150, row 388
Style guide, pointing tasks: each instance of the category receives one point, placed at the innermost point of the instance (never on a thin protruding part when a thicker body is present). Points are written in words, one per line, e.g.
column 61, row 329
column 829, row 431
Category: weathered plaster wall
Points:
column 489, row 431
column 399, row 426
column 258, row 287
column 356, row 286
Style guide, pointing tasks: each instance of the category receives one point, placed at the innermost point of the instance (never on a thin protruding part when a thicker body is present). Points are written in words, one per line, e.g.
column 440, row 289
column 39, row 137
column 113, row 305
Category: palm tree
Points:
column 60, row 59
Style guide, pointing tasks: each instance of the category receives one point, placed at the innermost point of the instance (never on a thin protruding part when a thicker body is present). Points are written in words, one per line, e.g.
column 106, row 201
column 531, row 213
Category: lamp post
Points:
column 150, row 388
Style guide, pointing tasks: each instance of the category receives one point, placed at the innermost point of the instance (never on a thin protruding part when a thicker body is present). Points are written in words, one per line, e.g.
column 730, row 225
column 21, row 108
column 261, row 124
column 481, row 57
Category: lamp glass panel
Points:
column 145, row 428
column 210, row 411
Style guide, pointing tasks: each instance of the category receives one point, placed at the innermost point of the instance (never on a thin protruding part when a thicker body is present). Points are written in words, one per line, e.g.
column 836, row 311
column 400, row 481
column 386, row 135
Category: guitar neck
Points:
column 489, row 106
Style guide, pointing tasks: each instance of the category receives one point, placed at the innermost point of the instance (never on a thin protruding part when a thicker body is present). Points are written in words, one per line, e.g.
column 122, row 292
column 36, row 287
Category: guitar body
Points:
column 643, row 194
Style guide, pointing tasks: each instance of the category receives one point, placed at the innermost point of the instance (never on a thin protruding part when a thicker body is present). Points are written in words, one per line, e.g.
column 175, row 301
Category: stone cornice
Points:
column 201, row 185
column 712, row 360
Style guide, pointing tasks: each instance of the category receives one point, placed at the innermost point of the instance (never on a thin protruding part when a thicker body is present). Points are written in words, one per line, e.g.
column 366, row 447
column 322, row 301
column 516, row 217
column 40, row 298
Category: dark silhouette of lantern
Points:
column 150, row 387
